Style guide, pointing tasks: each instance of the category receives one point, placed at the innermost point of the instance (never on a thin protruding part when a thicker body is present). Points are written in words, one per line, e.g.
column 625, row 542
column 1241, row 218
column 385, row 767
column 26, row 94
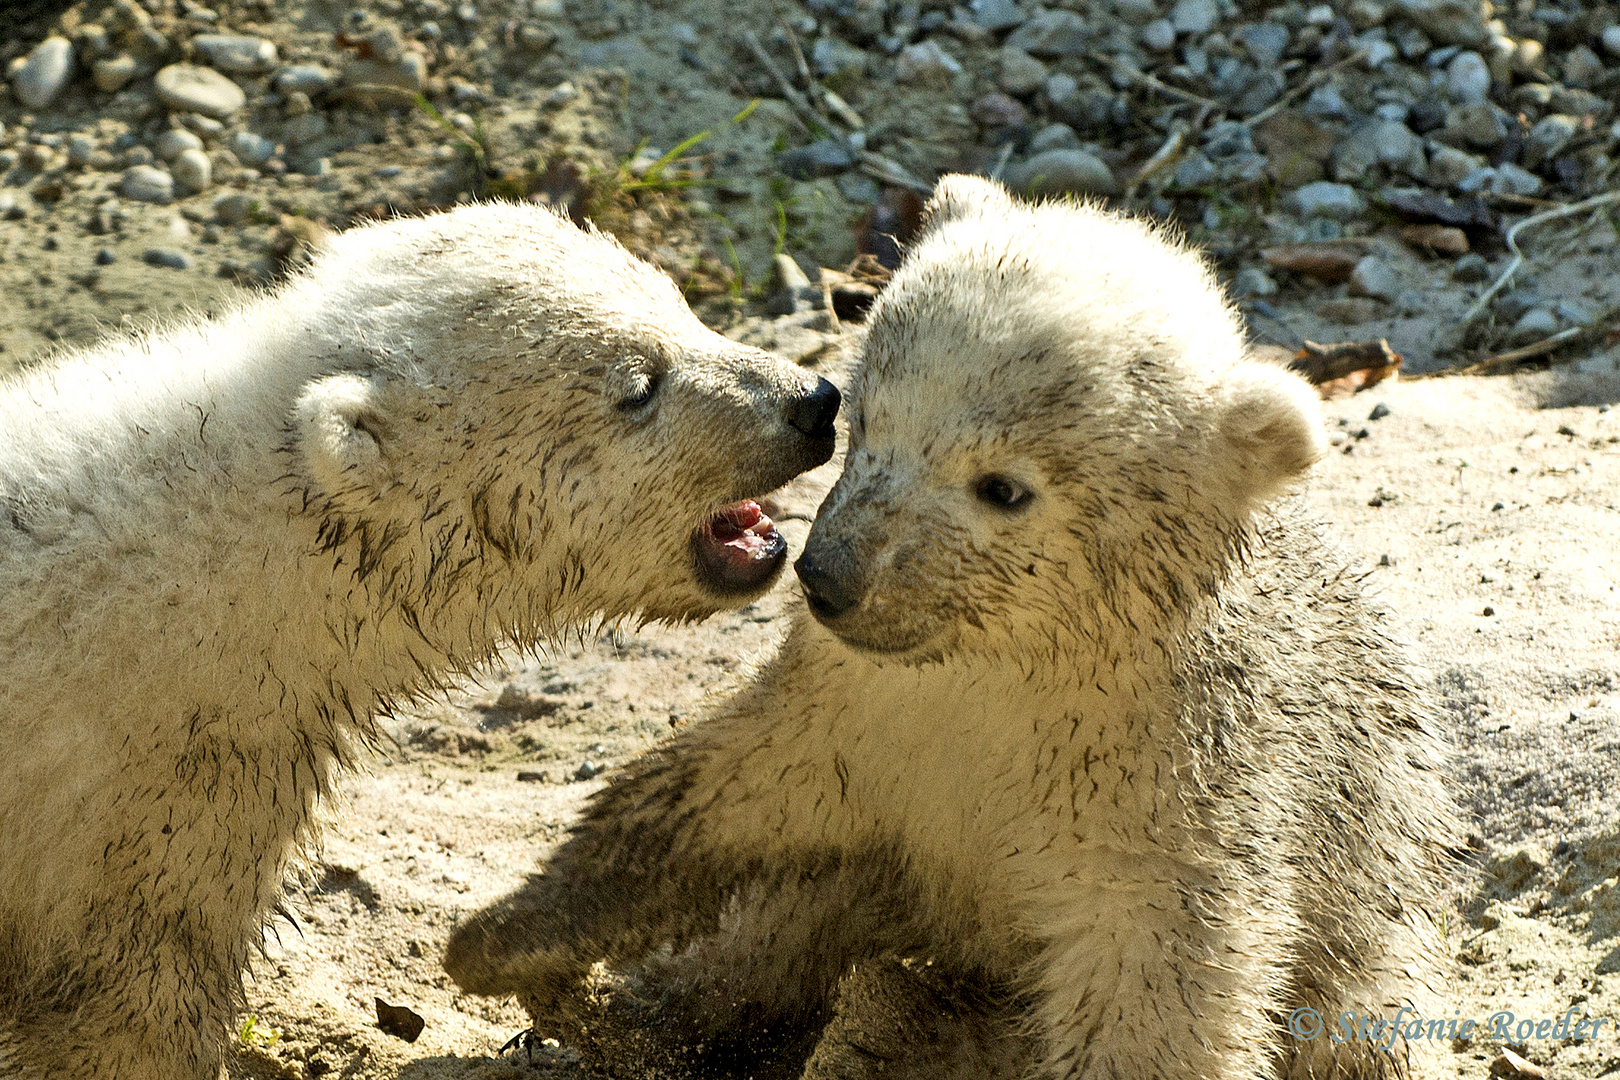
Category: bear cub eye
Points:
column 1002, row 492
column 642, row 388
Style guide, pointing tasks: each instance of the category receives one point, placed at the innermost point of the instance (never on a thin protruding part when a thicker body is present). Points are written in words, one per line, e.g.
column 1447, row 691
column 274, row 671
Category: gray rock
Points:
column 926, row 62
column 1379, row 411
column 80, row 148
column 1533, row 325
column 199, row 89
column 1582, row 67
column 169, row 258
column 206, row 126
column 1376, row 278
column 824, row 157
column 105, row 257
column 305, row 129
column 1480, row 126
column 1477, row 180
column 1062, row 90
column 1397, row 146
column 1021, row 73
column 1253, row 282
column 1452, row 22
column 234, row 209
column 589, row 770
column 997, row 14
column 1448, row 165
column 146, row 183
column 111, row 73
column 1054, row 137
column 1573, row 311
column 1266, row 41
column 1354, row 154
column 1549, row 135
column 998, row 110
column 175, row 141
column 238, row 54
column 251, row 149
column 1059, row 171
column 1194, row 16
column 858, row 189
column 1611, row 39
column 1337, row 202
column 1194, row 171
column 1052, row 34
column 1159, row 35
column 38, row 77
column 1326, row 101
column 1510, row 179
column 1468, row 80
column 1226, row 138
column 1136, row 12
column 311, row 79
column 192, row 170
column 1470, row 269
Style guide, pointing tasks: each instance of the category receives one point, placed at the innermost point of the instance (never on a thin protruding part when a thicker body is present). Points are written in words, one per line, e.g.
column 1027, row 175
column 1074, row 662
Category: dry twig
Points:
column 1518, row 256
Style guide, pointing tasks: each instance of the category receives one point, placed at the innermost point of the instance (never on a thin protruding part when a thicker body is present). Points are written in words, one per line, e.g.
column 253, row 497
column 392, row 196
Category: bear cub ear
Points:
column 960, row 196
column 1270, row 421
column 343, row 433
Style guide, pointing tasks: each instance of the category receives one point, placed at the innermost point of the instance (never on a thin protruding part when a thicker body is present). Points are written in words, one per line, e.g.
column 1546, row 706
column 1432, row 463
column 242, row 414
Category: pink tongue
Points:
column 743, row 526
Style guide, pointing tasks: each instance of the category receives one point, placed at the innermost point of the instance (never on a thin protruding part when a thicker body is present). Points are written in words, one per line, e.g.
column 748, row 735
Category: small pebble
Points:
column 113, row 72
column 105, row 257
column 173, row 142
column 166, row 257
column 1470, row 269
column 192, row 170
column 237, row 54
column 589, row 770
column 146, row 183
column 252, row 149
column 1379, row 411
column 1488, row 610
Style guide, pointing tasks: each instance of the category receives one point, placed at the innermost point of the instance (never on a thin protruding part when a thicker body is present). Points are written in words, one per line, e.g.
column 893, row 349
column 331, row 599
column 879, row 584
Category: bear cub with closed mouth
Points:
column 1083, row 710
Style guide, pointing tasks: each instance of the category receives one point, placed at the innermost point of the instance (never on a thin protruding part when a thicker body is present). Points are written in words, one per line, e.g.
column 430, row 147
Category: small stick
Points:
column 881, row 168
column 1162, row 157
column 1317, row 79
column 790, row 94
column 845, row 111
column 1518, row 256
column 1524, row 352
column 805, row 76
column 1001, row 161
column 1148, row 80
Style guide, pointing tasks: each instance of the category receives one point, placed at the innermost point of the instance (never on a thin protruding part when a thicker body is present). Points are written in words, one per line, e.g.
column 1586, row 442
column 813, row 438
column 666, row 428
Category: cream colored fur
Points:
column 225, row 548
column 1134, row 754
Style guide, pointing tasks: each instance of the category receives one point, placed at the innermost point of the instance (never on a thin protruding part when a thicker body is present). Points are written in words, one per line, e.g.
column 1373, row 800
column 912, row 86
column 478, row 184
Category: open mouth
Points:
column 738, row 549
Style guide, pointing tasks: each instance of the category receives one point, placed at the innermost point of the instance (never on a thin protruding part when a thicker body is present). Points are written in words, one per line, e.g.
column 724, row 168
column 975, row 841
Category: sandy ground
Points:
column 1485, row 511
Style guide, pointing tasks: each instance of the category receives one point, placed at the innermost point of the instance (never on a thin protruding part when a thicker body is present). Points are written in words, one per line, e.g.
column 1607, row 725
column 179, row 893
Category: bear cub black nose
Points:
column 814, row 413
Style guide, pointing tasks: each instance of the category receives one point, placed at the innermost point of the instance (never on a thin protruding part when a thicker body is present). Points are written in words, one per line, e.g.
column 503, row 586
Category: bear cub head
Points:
column 516, row 406
column 1056, row 436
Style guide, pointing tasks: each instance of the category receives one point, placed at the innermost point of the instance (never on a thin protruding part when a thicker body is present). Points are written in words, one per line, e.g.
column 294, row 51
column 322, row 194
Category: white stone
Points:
column 236, row 53
column 192, row 170
column 252, row 149
column 146, row 183
column 38, row 77
column 1468, row 79
column 199, row 89
column 173, row 142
